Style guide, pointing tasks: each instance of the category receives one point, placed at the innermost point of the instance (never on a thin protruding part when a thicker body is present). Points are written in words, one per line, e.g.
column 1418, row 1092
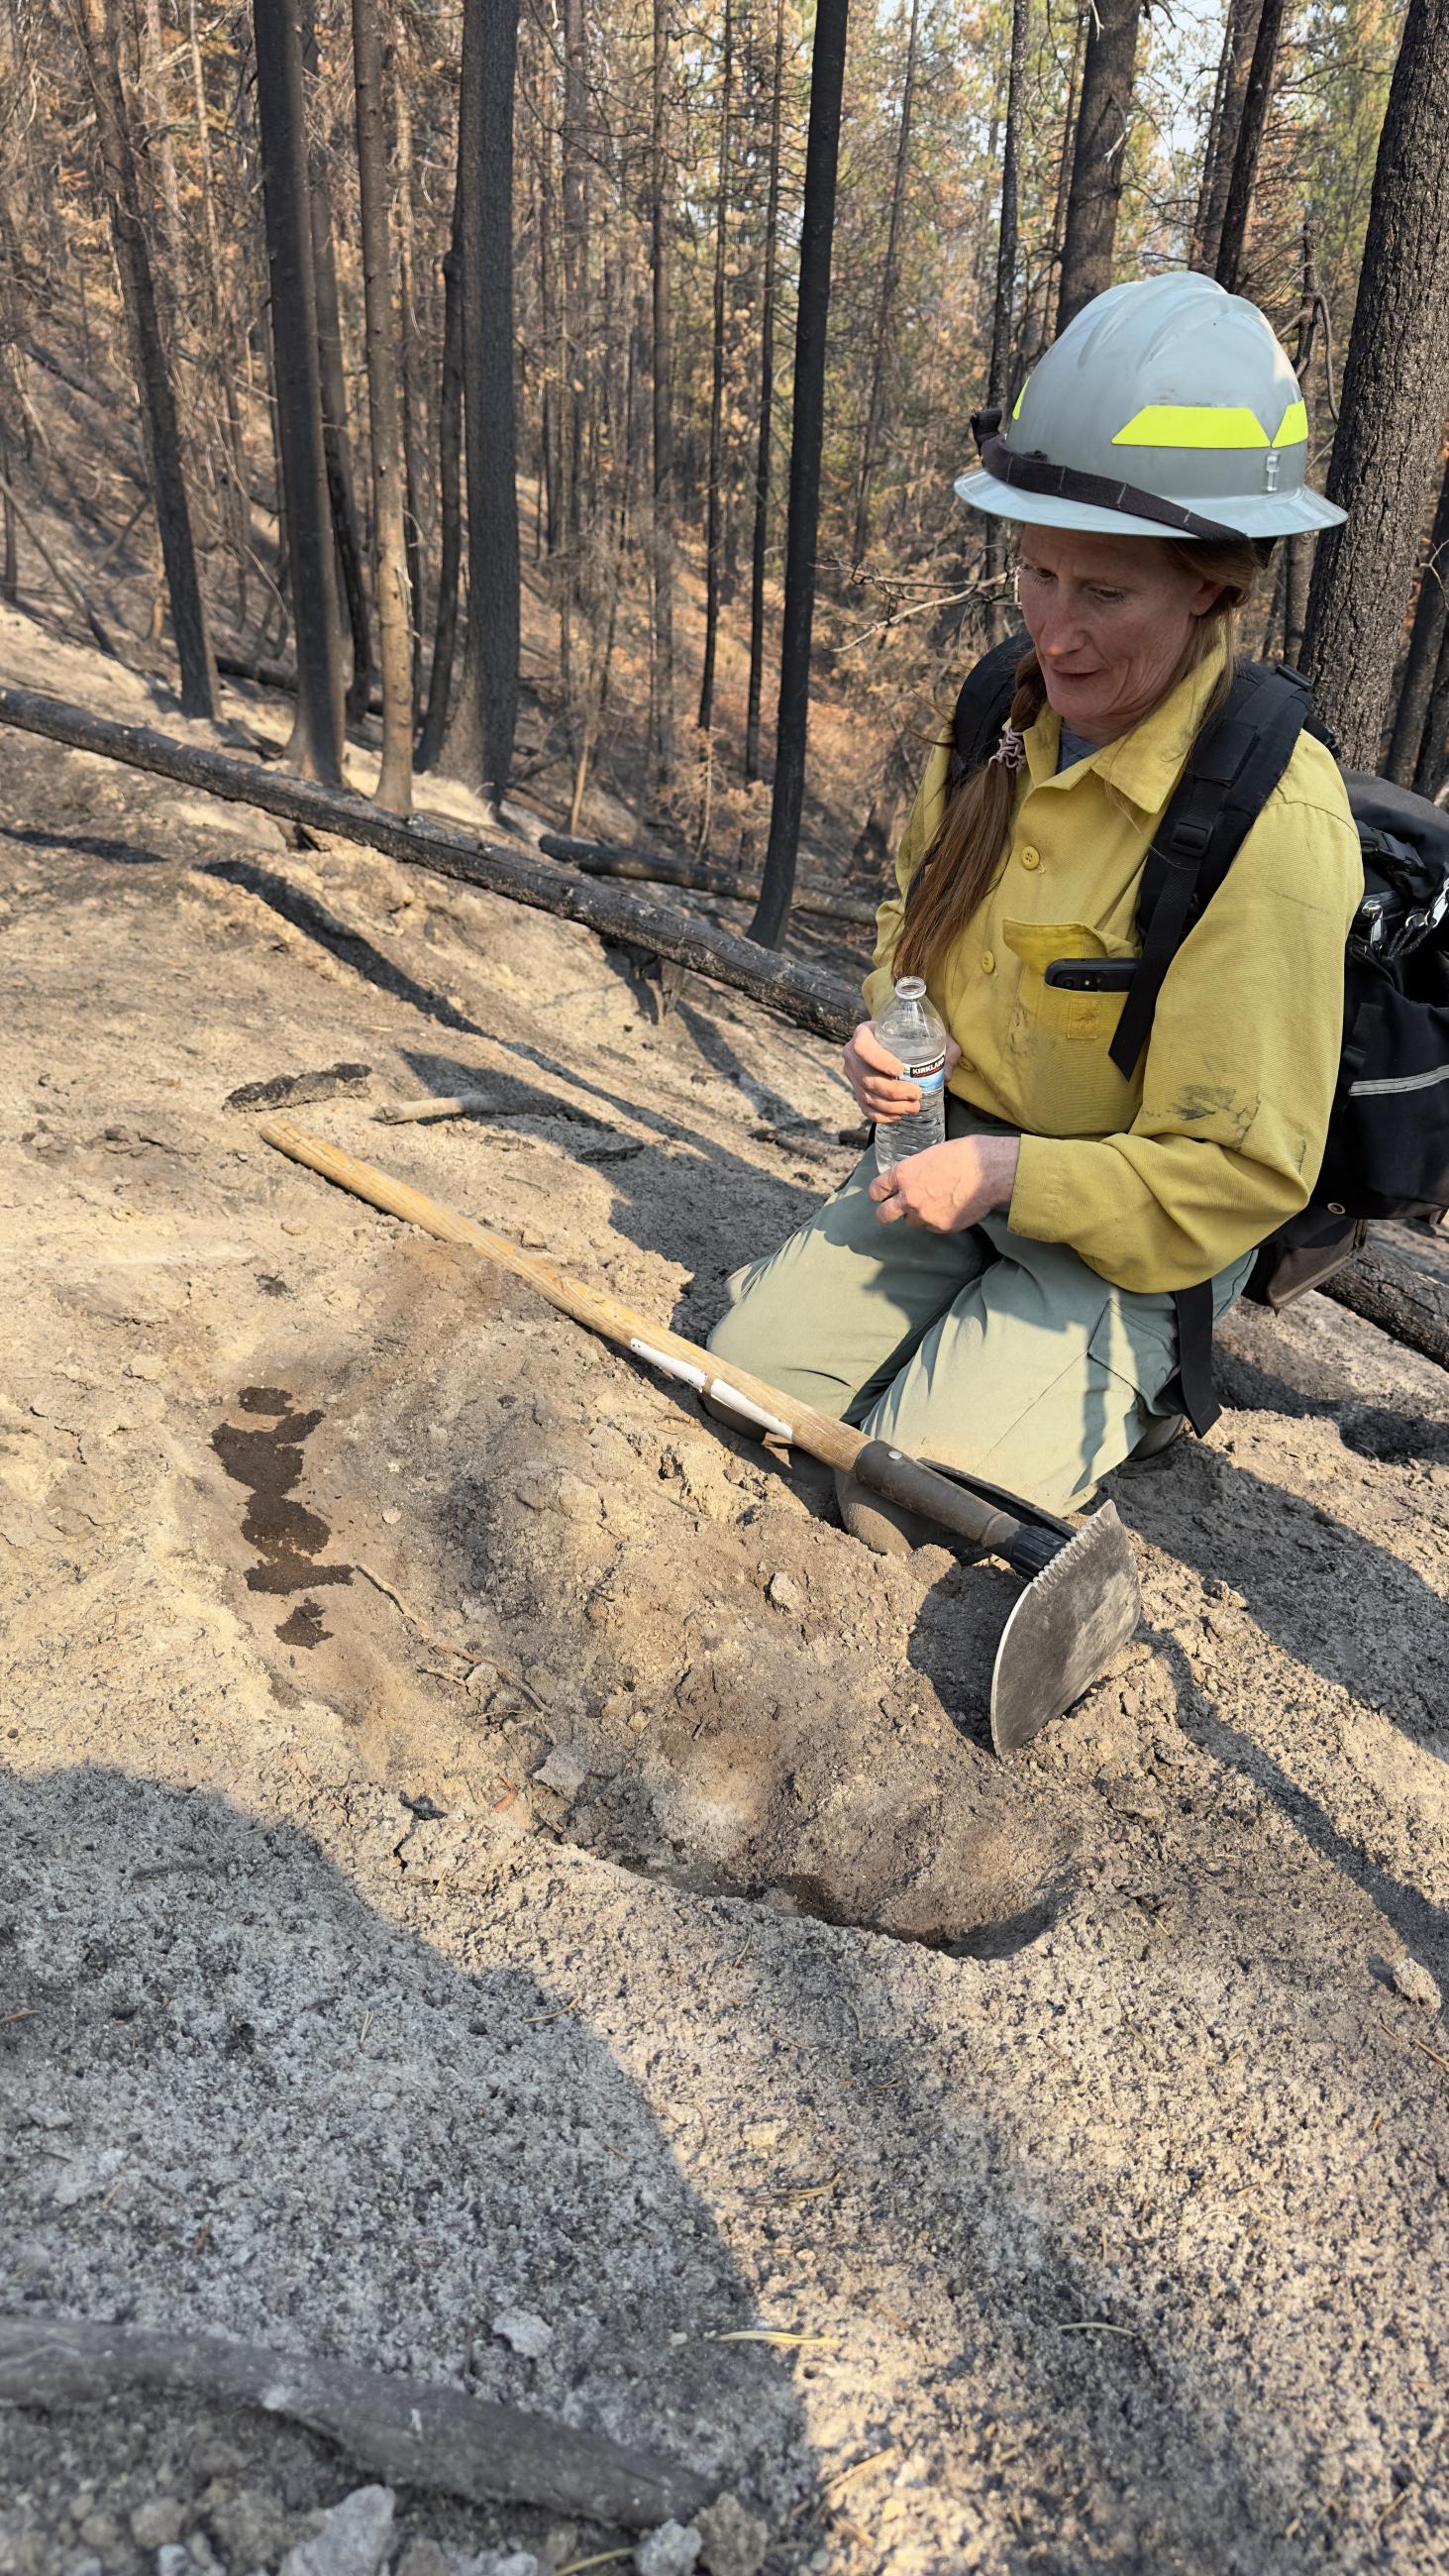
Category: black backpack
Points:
column 1387, row 1152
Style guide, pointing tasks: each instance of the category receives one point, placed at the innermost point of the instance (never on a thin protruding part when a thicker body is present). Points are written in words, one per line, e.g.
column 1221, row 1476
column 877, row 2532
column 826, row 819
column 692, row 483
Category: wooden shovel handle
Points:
column 834, row 1442
column 903, row 1480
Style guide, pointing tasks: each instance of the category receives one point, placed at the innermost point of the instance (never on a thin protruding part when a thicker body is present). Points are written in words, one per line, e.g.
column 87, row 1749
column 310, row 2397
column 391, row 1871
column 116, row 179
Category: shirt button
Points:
column 988, row 963
column 1031, row 858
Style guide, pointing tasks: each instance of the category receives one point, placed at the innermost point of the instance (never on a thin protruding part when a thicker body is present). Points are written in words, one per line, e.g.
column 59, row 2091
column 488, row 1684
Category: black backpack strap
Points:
column 1232, row 770
column 984, row 704
column 1195, row 1390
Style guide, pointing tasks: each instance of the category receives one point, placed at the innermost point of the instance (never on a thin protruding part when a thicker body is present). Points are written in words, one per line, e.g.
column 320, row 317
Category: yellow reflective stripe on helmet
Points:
column 1194, row 425
column 1021, row 397
column 1293, row 427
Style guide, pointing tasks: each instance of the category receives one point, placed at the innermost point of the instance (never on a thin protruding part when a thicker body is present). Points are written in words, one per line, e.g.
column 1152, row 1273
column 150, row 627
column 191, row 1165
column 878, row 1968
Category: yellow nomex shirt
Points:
column 1167, row 1178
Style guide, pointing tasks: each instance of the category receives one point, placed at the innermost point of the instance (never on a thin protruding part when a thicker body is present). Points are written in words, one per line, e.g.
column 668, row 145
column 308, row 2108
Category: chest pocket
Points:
column 1047, row 1008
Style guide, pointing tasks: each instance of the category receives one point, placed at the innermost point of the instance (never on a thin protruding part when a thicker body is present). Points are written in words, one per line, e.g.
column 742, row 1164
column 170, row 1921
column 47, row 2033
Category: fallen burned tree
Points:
column 1410, row 1304
column 1406, row 1302
column 661, row 867
column 408, row 2429
column 816, row 1000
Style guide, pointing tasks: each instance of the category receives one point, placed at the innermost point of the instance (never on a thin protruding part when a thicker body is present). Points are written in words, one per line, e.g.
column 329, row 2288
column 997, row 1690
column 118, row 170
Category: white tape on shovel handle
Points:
column 672, row 1367
column 722, row 1394
column 748, row 1412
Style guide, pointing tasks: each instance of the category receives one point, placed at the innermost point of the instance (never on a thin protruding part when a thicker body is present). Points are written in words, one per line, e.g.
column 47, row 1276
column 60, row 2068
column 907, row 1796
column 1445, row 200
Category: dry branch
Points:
column 818, row 1001
column 410, row 2430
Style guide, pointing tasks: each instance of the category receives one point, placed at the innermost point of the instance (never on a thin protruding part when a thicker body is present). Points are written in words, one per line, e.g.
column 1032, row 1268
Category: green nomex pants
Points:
column 983, row 1350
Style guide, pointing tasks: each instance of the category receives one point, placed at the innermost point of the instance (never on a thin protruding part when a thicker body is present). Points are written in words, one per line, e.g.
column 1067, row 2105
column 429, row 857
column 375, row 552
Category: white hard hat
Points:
column 1166, row 408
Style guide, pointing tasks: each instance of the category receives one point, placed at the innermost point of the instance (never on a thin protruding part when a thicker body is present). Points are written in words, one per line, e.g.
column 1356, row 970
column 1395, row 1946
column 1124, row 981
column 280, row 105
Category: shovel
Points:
column 1081, row 1602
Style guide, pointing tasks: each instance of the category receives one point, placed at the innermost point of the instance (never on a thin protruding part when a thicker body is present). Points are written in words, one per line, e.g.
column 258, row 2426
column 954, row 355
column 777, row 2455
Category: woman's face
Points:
column 1111, row 618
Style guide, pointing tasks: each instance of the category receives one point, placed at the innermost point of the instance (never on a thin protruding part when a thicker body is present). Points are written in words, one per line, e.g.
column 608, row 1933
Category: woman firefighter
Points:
column 1007, row 1301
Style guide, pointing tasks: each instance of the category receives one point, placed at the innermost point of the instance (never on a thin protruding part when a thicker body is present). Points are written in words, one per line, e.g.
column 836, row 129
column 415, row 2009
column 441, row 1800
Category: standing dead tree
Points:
column 336, row 445
column 822, row 153
column 316, row 739
column 1257, row 98
column 662, row 530
column 394, row 613
column 1224, row 128
column 1099, row 155
column 1416, row 680
column 98, row 28
column 712, row 546
column 1003, row 304
column 1395, row 394
column 765, row 433
column 875, row 411
column 450, row 497
column 479, row 744
column 1433, row 761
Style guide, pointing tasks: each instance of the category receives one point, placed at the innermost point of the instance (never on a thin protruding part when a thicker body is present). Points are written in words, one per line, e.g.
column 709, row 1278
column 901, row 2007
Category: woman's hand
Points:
column 950, row 1186
column 883, row 1090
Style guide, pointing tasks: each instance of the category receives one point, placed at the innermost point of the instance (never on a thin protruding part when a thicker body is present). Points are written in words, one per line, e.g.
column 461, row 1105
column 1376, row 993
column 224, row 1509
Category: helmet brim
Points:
column 1265, row 514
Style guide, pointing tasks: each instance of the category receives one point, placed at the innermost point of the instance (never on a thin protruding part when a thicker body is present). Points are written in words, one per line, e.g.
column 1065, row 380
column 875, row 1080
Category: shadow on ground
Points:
column 267, row 2110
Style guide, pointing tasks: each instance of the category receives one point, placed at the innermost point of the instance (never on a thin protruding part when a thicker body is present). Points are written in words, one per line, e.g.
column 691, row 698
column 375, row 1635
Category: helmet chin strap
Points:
column 1035, row 472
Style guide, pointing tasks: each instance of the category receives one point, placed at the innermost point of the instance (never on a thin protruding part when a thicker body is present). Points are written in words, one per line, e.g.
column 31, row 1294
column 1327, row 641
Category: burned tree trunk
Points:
column 394, row 614
column 890, row 274
column 807, row 994
column 1228, row 268
column 822, row 151
column 765, row 436
column 1395, row 393
column 479, row 745
column 1099, row 155
column 450, row 500
column 1416, row 680
column 99, row 30
column 1433, row 760
column 341, row 497
column 716, row 402
column 1234, row 64
column 1004, row 300
column 316, row 739
column 662, row 529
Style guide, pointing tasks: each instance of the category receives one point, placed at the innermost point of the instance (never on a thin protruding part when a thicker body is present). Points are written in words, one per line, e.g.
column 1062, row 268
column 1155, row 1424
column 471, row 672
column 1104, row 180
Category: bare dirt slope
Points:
column 479, row 1843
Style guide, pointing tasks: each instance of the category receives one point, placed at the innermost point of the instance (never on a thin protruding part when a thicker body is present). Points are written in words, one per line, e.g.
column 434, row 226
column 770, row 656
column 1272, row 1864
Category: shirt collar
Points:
column 1145, row 764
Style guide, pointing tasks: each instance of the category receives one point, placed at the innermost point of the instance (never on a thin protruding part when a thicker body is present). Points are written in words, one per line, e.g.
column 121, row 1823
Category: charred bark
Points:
column 450, row 500
column 765, row 435
column 394, row 613
column 316, row 740
column 98, row 26
column 1234, row 64
column 712, row 534
column 479, row 744
column 822, row 152
column 662, row 530
column 1257, row 98
column 1416, row 681
column 889, row 281
column 336, row 448
column 1108, row 69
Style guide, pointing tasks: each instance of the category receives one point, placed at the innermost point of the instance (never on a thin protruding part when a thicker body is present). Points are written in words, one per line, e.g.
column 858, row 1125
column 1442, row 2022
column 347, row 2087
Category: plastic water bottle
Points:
column 915, row 1035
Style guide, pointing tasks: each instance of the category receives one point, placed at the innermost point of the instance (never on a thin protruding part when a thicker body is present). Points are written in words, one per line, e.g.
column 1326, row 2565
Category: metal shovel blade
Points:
column 1071, row 1620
